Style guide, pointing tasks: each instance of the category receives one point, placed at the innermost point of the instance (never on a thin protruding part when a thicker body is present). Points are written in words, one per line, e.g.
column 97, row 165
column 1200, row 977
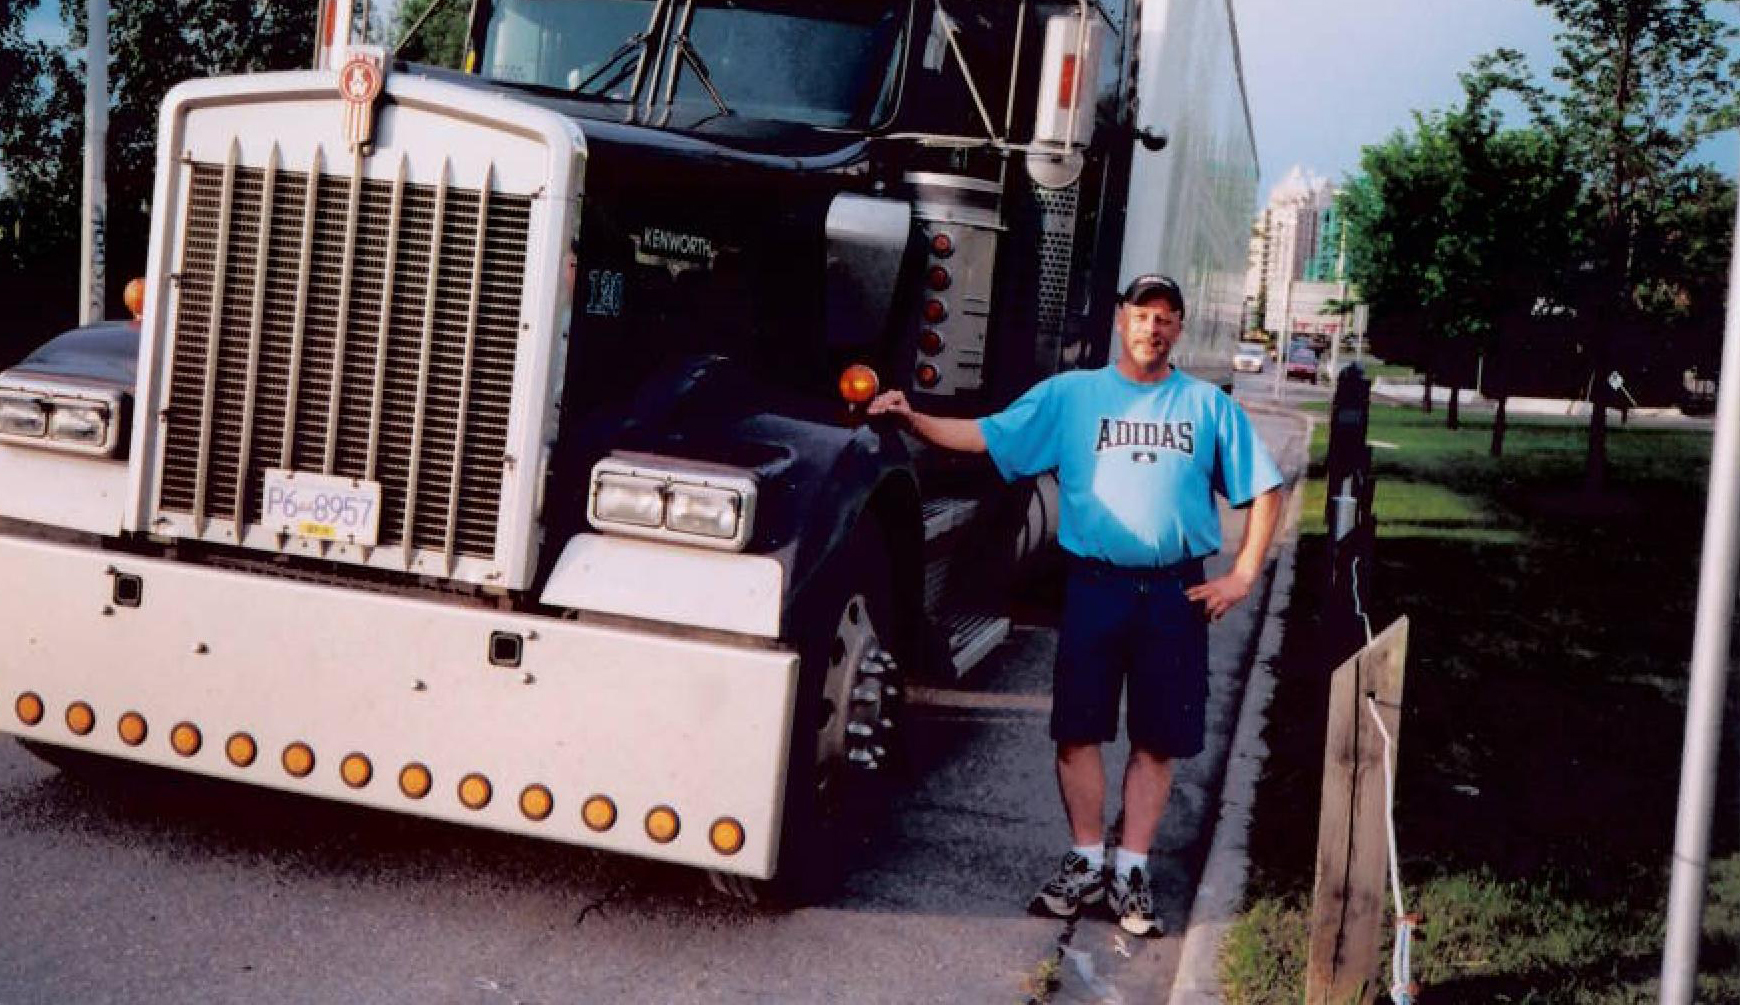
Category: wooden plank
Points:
column 1348, row 906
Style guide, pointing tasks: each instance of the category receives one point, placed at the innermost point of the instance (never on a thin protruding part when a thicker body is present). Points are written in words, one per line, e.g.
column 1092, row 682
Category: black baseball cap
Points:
column 1153, row 284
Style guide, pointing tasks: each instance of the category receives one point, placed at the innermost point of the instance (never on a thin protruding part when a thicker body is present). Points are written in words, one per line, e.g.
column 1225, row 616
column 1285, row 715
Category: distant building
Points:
column 1297, row 261
column 1327, row 258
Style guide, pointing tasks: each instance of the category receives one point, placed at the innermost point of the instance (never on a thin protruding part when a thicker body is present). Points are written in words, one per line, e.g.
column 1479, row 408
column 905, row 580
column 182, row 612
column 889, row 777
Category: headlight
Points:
column 673, row 500
column 22, row 417
column 55, row 413
column 85, row 425
column 626, row 499
column 699, row 510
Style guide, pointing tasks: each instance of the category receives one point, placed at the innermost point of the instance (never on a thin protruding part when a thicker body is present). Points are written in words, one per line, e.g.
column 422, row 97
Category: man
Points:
column 1139, row 448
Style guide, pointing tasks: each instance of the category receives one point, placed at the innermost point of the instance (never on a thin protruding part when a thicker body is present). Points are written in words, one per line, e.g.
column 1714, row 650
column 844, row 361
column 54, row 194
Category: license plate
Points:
column 324, row 507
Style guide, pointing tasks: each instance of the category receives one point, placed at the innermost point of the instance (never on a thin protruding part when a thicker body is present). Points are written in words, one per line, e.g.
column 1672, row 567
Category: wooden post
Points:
column 1348, row 909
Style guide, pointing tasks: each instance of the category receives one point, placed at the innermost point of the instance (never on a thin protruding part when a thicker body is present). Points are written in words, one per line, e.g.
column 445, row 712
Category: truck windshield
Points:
column 824, row 64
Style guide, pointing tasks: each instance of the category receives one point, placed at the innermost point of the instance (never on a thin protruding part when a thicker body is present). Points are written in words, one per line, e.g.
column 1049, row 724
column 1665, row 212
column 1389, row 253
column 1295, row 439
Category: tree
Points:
column 441, row 39
column 1644, row 81
column 1462, row 222
column 41, row 140
column 154, row 44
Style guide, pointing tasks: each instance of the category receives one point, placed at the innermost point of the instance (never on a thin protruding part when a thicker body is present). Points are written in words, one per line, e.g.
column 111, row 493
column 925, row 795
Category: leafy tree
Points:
column 441, row 39
column 1644, row 82
column 153, row 44
column 1461, row 222
column 41, row 139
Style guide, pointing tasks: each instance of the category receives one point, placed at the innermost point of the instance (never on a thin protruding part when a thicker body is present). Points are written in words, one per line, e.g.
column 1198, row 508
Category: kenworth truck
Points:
column 491, row 444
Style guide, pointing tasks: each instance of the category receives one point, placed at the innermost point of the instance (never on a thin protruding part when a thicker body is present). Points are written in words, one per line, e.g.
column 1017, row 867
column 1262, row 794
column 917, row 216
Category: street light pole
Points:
column 1716, row 570
column 93, row 253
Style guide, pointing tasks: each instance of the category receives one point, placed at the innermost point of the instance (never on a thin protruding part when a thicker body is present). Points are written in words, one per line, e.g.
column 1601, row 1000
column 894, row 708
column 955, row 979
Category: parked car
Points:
column 1302, row 365
column 1252, row 357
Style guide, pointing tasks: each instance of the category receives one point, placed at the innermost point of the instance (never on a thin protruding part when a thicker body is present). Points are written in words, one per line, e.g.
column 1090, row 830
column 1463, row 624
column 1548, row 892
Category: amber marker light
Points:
column 858, row 384
column 927, row 375
column 299, row 759
column 134, row 297
column 185, row 739
column 536, row 802
column 356, row 770
column 241, row 750
column 80, row 718
column 726, row 836
column 415, row 781
column 29, row 708
column 662, row 824
column 474, row 791
column 131, row 728
column 599, row 813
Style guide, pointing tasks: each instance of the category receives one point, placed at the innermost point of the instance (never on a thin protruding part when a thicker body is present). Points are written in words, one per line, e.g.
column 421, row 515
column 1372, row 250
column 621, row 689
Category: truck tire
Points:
column 846, row 730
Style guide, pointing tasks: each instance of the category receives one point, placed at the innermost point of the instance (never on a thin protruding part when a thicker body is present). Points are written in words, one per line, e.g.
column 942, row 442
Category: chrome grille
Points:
column 345, row 345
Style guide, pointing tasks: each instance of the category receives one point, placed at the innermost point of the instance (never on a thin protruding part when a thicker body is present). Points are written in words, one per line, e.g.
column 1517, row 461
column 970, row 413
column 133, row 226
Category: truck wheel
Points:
column 846, row 730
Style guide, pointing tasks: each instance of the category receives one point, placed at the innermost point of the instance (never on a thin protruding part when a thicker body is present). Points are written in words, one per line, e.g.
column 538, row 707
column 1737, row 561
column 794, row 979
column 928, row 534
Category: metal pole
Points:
column 92, row 250
column 1679, row 964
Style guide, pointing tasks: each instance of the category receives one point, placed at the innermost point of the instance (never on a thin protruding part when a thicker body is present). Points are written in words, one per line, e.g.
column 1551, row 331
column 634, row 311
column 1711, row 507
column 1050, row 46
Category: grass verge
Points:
column 1544, row 714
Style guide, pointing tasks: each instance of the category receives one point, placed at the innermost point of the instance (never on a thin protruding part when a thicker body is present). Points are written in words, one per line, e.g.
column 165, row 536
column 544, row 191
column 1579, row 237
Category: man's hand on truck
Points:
column 952, row 434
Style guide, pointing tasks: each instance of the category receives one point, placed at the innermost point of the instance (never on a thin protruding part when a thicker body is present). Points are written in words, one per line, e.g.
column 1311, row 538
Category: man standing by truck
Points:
column 1140, row 448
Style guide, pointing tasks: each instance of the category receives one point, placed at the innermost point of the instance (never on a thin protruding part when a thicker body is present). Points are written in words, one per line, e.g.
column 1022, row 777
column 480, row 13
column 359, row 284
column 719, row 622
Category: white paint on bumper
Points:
column 645, row 719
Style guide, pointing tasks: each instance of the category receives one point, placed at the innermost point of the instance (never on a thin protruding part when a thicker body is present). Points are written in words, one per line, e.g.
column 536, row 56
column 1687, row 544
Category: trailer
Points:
column 491, row 446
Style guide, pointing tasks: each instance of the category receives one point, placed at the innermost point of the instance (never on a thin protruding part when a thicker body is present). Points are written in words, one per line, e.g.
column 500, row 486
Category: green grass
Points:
column 1543, row 717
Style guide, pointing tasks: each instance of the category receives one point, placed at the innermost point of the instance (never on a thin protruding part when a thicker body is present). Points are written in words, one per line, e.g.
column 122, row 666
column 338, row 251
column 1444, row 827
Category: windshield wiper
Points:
column 639, row 43
column 686, row 49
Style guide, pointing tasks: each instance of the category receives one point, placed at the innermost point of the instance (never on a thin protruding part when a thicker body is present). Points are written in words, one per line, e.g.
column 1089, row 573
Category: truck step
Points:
column 945, row 514
column 972, row 635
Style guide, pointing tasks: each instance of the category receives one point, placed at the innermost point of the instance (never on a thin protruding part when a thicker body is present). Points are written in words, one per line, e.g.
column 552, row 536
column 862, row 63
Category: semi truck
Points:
column 490, row 446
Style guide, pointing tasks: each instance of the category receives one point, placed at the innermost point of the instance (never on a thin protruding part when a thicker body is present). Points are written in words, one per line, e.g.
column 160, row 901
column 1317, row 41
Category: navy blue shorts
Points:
column 1132, row 625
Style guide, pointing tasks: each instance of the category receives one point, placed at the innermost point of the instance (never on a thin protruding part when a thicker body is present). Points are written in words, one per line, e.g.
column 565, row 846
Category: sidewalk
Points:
column 1410, row 394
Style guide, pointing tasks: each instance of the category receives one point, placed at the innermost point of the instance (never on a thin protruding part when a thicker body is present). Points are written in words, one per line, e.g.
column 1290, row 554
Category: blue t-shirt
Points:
column 1137, row 464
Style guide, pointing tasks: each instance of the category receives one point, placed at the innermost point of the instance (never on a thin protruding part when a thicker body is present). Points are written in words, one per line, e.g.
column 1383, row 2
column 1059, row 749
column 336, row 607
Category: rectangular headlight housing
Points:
column 22, row 416
column 57, row 414
column 675, row 500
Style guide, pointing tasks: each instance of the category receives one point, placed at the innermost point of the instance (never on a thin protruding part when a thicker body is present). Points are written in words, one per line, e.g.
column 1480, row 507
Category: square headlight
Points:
column 22, row 416
column 619, row 498
column 698, row 509
column 86, row 425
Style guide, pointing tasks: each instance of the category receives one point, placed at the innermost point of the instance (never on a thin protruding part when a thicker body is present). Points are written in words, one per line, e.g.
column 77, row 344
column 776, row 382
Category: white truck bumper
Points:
column 645, row 719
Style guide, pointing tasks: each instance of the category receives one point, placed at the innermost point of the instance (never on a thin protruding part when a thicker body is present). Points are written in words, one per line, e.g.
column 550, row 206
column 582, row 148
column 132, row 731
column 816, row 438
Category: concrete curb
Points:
column 1220, row 890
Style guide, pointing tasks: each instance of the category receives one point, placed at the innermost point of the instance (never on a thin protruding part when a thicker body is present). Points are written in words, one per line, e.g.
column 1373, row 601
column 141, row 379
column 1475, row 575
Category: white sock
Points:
column 1125, row 860
column 1094, row 853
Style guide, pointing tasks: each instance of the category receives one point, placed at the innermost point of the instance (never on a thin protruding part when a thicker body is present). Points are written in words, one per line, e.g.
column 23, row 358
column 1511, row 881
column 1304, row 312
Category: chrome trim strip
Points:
column 415, row 475
column 387, row 273
column 262, row 246
column 465, row 370
column 214, row 327
column 342, row 329
column 310, row 203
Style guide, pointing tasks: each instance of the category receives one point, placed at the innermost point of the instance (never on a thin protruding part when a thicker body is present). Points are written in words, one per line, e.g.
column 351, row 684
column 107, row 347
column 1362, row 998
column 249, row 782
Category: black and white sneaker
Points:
column 1073, row 884
column 1132, row 903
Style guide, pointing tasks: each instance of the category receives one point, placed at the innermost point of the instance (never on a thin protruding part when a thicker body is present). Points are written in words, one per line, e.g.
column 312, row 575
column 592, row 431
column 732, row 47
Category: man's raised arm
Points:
column 951, row 434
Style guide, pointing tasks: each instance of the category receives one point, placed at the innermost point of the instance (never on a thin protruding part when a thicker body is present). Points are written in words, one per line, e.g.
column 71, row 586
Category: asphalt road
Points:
column 146, row 891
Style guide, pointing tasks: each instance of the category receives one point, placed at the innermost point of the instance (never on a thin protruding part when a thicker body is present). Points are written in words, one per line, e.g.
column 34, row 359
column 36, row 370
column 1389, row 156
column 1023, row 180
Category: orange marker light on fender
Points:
column 858, row 384
column 134, row 297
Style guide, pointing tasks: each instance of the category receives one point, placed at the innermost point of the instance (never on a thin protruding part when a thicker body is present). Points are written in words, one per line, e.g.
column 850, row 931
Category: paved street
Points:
column 204, row 892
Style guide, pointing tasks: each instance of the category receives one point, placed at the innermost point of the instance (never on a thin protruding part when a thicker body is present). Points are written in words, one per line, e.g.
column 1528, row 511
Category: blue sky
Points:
column 1326, row 77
